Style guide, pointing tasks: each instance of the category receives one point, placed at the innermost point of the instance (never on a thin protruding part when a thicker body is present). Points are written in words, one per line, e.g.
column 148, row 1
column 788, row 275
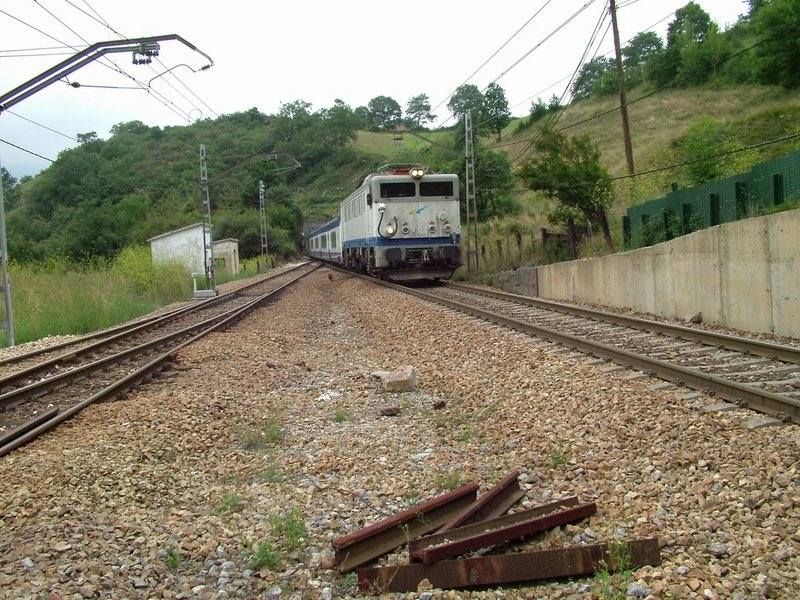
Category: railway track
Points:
column 746, row 372
column 43, row 388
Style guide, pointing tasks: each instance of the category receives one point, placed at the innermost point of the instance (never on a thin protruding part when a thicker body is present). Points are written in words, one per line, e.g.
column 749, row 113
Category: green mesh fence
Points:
column 683, row 211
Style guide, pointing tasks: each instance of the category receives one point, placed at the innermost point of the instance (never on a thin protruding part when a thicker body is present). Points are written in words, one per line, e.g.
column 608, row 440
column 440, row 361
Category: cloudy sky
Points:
column 268, row 53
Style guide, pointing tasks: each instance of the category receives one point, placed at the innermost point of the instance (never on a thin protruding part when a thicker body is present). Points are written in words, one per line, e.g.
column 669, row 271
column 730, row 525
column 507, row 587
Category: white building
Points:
column 186, row 245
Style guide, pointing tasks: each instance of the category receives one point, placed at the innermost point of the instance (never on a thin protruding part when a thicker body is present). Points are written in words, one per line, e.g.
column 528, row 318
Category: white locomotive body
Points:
column 402, row 223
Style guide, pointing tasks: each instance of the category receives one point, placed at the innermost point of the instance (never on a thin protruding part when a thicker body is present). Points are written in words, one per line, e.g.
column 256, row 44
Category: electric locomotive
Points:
column 401, row 223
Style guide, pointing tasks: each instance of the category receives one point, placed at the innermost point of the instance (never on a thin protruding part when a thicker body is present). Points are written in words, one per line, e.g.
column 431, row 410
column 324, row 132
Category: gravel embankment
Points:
column 274, row 425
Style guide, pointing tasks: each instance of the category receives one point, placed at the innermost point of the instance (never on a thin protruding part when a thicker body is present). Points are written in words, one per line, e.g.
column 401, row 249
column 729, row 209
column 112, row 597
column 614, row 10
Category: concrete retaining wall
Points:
column 744, row 275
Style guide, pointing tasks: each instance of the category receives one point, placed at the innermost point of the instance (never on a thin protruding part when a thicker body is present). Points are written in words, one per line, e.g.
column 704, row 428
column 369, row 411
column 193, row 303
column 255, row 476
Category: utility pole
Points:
column 623, row 103
column 262, row 211
column 9, row 321
column 208, row 242
column 469, row 187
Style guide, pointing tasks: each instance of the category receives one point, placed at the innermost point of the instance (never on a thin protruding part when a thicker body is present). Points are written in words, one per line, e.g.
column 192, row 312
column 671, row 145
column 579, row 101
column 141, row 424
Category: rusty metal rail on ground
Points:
column 521, row 567
column 414, row 527
column 382, row 537
column 493, row 503
column 493, row 532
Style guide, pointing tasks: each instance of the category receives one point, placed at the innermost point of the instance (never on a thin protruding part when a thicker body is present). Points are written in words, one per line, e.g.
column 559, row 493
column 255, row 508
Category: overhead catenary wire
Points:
column 111, row 66
column 103, row 22
column 495, row 53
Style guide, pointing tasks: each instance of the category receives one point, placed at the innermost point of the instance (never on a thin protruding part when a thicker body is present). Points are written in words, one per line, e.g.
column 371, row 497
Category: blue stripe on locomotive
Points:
column 417, row 241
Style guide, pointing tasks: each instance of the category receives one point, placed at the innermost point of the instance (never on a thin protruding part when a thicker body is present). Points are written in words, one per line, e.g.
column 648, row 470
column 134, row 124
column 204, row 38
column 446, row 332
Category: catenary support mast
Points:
column 469, row 186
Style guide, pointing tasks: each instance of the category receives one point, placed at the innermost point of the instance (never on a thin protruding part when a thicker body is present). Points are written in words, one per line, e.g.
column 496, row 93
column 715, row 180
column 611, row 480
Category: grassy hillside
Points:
column 748, row 115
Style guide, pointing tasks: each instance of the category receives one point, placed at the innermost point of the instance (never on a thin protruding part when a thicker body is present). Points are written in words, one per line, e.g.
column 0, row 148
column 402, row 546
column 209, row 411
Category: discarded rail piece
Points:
column 462, row 523
column 512, row 568
column 432, row 548
column 371, row 542
column 497, row 501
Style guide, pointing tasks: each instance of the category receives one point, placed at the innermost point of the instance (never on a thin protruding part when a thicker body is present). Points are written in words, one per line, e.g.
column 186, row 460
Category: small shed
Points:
column 186, row 245
column 226, row 256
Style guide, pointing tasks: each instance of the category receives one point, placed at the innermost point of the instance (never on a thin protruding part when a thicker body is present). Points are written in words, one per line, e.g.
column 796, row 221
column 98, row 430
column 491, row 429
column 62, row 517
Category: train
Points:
column 402, row 223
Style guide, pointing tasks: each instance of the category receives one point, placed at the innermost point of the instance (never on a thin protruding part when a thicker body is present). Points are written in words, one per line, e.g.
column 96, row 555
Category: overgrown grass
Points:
column 61, row 297
column 231, row 501
column 287, row 536
column 450, row 480
column 558, row 457
column 610, row 580
column 289, row 528
column 263, row 555
column 262, row 439
column 173, row 559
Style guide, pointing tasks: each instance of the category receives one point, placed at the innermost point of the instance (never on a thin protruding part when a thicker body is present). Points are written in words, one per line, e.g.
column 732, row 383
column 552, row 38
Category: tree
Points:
column 9, row 188
column 466, row 98
column 538, row 109
column 590, row 73
column 339, row 124
column 641, row 47
column 418, row 111
column 496, row 114
column 778, row 24
column 290, row 118
column 568, row 169
column 384, row 113
column 362, row 112
column 637, row 53
column 691, row 25
column 9, row 182
column 554, row 104
column 699, row 62
column 494, row 178
column 87, row 138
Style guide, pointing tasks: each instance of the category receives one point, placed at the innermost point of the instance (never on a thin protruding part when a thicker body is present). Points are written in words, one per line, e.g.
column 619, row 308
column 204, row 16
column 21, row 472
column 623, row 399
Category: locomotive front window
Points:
column 436, row 188
column 404, row 189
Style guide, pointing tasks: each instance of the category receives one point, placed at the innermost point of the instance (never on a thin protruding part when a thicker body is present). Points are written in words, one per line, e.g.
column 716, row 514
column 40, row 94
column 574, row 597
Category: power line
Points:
column 538, row 45
column 494, row 54
column 556, row 117
column 785, row 138
column 19, row 116
column 551, row 34
column 89, row 173
column 672, row 84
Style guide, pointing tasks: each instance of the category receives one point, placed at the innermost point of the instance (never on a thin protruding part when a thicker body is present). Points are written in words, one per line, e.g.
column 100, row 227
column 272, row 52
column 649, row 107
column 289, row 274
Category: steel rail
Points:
column 781, row 407
column 756, row 347
column 111, row 331
column 121, row 386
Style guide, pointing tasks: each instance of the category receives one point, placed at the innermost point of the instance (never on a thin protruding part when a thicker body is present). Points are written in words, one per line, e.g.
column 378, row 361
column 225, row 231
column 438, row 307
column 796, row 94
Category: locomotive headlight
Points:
column 416, row 172
column 442, row 216
column 447, row 228
column 390, row 229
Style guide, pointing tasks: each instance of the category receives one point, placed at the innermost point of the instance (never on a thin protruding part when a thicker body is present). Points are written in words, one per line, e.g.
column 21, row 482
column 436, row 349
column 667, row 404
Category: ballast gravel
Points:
column 230, row 474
